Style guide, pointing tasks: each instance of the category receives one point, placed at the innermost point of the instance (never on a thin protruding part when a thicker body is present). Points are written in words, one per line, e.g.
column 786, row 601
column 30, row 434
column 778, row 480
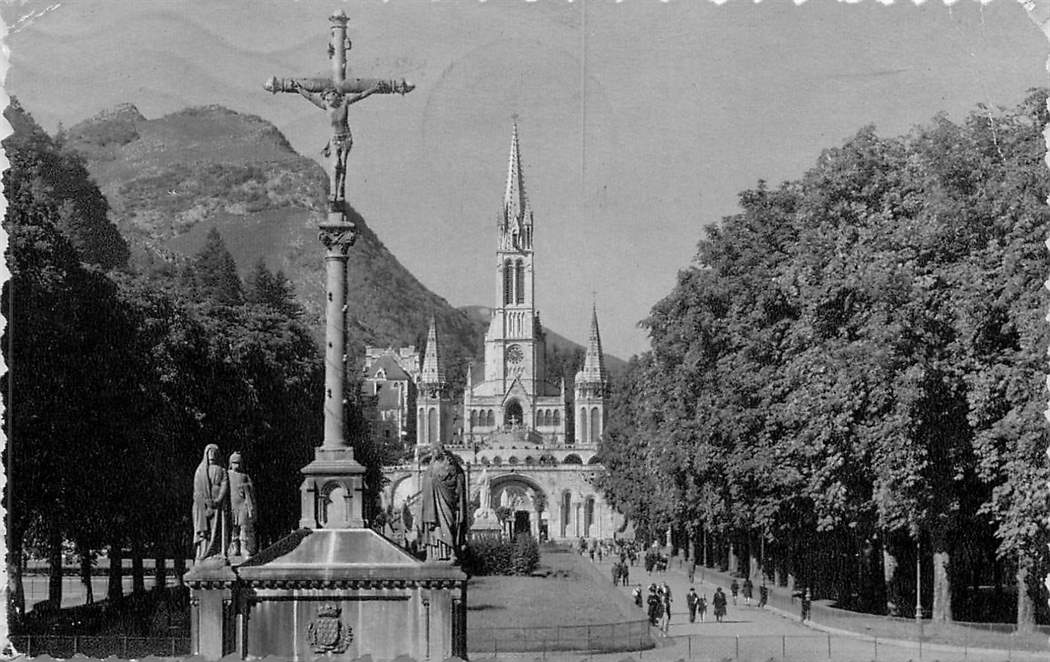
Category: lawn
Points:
column 565, row 590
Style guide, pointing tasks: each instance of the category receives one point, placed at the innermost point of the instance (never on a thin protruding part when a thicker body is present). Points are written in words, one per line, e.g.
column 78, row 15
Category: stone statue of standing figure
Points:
column 243, row 509
column 211, row 506
column 443, row 509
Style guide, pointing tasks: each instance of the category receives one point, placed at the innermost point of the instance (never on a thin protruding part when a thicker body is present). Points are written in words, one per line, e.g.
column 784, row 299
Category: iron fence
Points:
column 1001, row 636
column 607, row 637
column 808, row 648
column 100, row 647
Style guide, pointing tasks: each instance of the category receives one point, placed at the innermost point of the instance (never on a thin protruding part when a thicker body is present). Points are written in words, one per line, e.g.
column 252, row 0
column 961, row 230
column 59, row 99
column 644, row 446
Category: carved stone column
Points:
column 337, row 238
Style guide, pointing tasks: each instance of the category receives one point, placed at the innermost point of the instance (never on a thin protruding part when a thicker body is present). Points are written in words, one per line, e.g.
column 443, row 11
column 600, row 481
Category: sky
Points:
column 640, row 121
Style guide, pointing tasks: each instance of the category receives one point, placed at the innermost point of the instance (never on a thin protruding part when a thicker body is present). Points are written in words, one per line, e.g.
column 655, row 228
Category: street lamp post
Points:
column 918, row 578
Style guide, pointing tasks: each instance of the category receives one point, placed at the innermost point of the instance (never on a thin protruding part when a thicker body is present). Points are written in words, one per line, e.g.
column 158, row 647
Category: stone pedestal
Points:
column 341, row 593
column 213, row 592
column 331, row 490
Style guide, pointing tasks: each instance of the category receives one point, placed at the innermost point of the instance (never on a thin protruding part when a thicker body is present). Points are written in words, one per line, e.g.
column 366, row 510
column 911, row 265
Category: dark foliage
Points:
column 853, row 366
column 502, row 556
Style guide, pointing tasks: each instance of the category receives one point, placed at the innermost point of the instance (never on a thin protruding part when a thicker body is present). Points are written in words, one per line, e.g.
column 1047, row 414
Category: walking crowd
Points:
column 657, row 599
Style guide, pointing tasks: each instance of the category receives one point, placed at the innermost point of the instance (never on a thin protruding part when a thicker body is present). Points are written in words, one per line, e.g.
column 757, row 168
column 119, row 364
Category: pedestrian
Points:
column 624, row 573
column 734, row 588
column 807, row 603
column 692, row 570
column 747, row 590
column 655, row 606
column 692, row 600
column 719, row 603
column 616, row 574
column 701, row 607
column 637, row 595
column 666, row 617
column 763, row 595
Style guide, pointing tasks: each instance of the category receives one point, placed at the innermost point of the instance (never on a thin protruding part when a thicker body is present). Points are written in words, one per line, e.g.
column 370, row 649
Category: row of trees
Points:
column 851, row 375
column 119, row 379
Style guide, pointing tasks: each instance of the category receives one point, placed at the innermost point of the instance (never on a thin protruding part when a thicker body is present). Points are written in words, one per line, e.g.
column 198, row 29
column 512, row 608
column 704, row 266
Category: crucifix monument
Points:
column 335, row 587
column 335, row 95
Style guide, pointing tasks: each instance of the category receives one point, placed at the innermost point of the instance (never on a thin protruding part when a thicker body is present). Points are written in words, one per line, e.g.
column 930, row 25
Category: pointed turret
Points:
column 515, row 219
column 433, row 371
column 515, row 203
column 594, row 361
column 591, row 389
column 433, row 402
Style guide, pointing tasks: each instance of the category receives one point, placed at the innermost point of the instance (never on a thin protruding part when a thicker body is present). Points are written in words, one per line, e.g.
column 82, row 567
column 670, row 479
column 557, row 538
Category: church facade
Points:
column 529, row 442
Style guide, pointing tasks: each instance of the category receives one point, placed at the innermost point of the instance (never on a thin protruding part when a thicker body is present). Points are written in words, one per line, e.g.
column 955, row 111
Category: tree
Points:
column 214, row 272
column 272, row 289
column 854, row 361
column 57, row 174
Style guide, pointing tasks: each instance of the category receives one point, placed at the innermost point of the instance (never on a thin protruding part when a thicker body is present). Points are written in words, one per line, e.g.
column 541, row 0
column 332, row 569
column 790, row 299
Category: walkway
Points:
column 760, row 635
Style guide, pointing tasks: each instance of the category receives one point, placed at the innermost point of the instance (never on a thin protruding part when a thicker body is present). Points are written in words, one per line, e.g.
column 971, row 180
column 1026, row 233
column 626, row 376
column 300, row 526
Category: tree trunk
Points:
column 16, row 605
column 942, row 585
column 178, row 566
column 1026, row 588
column 872, row 584
column 138, row 574
column 703, row 547
column 892, row 580
column 754, row 569
column 54, row 562
column 85, row 557
column 160, row 572
column 115, row 590
column 734, row 559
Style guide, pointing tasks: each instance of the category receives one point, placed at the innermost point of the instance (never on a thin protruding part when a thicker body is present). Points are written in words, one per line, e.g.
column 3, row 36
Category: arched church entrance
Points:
column 513, row 415
column 523, row 503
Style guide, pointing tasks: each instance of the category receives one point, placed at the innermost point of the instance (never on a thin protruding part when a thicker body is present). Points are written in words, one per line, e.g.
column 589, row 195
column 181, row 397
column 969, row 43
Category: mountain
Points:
column 170, row 180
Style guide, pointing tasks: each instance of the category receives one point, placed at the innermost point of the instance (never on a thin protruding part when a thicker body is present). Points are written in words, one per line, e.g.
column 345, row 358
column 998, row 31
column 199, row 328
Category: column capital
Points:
column 337, row 237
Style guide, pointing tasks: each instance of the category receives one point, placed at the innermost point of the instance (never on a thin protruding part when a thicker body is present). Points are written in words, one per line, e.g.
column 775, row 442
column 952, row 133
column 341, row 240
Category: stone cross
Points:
column 334, row 95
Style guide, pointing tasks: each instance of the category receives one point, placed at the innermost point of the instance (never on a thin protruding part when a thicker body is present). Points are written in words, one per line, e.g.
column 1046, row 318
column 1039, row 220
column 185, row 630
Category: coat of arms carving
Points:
column 326, row 633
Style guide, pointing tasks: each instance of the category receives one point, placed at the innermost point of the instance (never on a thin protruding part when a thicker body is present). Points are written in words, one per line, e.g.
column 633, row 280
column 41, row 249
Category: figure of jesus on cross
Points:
column 335, row 96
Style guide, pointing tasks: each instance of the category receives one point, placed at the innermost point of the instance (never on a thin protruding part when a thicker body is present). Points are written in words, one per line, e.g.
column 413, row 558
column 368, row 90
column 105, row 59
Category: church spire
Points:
column 433, row 372
column 594, row 360
column 516, row 209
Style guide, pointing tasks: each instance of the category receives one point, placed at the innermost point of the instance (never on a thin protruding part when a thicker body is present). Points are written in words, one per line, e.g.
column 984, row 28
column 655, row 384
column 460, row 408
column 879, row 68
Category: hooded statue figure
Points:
column 443, row 511
column 211, row 506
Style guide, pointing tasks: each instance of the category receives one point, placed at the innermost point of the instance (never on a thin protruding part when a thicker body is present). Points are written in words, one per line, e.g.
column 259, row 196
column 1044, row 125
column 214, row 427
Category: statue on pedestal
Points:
column 243, row 509
column 443, row 513
column 211, row 506
column 484, row 495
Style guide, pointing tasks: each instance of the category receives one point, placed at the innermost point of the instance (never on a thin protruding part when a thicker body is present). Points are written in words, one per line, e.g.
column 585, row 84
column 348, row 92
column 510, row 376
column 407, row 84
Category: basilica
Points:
column 529, row 443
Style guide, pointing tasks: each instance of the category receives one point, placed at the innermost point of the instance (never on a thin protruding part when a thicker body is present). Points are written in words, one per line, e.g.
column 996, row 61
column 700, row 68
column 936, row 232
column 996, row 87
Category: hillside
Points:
column 170, row 180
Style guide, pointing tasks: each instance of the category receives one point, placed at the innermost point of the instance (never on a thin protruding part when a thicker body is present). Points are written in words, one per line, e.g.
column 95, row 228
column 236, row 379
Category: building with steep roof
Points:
column 534, row 438
column 389, row 386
